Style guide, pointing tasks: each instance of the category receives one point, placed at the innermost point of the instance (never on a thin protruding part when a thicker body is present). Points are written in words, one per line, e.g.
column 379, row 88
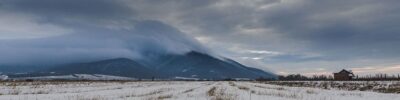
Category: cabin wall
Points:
column 342, row 77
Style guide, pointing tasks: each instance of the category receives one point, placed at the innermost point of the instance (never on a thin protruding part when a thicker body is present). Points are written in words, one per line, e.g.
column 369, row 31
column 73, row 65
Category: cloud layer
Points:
column 289, row 36
column 50, row 32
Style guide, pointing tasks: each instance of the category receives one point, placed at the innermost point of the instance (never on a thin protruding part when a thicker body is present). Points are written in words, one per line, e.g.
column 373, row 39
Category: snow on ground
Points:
column 174, row 90
column 376, row 86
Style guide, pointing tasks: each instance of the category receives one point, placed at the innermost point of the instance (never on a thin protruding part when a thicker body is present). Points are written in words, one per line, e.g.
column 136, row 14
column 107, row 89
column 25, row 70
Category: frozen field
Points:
column 376, row 86
column 174, row 90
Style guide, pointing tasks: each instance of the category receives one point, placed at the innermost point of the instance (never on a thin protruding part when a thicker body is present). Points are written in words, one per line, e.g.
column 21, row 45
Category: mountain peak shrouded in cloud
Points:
column 146, row 38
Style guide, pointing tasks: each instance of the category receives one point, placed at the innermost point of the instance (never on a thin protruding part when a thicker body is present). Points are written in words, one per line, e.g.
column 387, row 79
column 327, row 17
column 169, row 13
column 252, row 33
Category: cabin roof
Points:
column 345, row 72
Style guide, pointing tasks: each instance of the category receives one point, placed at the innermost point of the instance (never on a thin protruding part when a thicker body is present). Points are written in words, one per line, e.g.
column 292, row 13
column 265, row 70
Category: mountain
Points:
column 118, row 67
column 201, row 65
column 191, row 65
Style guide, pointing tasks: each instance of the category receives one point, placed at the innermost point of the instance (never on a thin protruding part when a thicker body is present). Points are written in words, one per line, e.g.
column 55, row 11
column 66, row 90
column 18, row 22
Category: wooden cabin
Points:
column 343, row 75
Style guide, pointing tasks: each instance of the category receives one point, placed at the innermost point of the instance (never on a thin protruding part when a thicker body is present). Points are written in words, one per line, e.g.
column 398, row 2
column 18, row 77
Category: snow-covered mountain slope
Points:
column 3, row 77
column 118, row 67
column 200, row 65
column 78, row 77
column 190, row 65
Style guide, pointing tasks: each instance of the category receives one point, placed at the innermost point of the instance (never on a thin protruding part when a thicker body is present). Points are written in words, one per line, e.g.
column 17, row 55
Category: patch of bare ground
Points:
column 309, row 91
column 211, row 92
column 232, row 83
column 161, row 97
column 220, row 94
column 388, row 90
column 239, row 87
column 351, row 94
column 158, row 91
column 83, row 97
column 279, row 94
column 187, row 91
column 244, row 88
column 274, row 88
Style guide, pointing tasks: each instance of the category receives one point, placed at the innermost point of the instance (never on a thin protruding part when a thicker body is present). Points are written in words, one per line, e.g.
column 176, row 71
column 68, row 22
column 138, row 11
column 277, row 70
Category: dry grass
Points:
column 232, row 83
column 82, row 97
column 211, row 92
column 41, row 92
column 244, row 88
column 376, row 86
column 222, row 94
column 274, row 88
column 187, row 91
column 162, row 97
column 351, row 94
column 311, row 92
column 280, row 94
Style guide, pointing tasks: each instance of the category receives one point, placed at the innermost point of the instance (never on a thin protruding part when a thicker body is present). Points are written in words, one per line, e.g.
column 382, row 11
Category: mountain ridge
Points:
column 192, row 64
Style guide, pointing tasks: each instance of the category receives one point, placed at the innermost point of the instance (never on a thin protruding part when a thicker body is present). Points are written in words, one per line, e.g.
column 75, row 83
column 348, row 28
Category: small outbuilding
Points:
column 343, row 75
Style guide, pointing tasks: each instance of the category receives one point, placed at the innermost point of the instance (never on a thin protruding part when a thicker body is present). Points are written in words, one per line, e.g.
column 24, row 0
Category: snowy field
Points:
column 376, row 86
column 176, row 90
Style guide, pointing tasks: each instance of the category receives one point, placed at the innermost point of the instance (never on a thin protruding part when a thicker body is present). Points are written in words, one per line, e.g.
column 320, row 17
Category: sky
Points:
column 282, row 36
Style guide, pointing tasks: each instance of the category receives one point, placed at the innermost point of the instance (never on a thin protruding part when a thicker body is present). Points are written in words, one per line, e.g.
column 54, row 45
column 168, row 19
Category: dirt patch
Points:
column 211, row 92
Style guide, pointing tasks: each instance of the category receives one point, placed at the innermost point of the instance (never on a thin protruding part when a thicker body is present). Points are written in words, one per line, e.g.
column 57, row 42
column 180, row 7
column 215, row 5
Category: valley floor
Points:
column 176, row 90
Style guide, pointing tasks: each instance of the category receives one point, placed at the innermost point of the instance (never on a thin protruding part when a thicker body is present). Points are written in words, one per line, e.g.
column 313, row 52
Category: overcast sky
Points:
column 284, row 36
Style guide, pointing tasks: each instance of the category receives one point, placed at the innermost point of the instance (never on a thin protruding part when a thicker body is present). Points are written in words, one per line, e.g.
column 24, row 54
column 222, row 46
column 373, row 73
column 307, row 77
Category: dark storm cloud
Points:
column 337, row 29
column 75, row 13
column 344, row 29
column 148, row 37
column 99, row 29
column 70, row 8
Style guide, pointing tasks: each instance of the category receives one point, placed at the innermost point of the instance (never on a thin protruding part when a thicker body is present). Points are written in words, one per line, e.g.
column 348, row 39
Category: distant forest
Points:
column 299, row 77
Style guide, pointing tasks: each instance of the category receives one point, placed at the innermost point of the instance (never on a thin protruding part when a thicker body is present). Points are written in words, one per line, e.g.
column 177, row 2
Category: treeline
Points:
column 299, row 77
column 375, row 77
